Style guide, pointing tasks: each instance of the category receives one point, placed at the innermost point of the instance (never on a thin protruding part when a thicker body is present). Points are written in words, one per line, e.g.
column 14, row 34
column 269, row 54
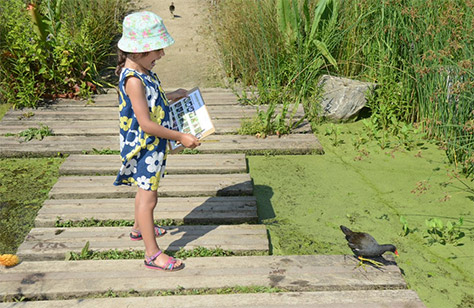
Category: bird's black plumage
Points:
column 172, row 8
column 364, row 245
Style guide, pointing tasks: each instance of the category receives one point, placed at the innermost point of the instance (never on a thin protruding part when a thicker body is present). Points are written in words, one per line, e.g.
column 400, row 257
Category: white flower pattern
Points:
column 133, row 135
column 154, row 162
column 129, row 167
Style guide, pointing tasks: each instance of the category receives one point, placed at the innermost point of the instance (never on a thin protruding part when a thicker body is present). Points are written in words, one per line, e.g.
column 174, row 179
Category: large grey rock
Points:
column 343, row 98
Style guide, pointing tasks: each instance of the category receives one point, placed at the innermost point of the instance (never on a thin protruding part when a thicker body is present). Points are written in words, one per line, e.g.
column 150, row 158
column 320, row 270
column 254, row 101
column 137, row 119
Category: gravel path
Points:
column 190, row 61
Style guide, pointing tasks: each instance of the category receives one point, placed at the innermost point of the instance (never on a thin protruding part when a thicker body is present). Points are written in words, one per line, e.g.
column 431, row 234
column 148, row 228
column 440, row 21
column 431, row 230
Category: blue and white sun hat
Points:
column 143, row 32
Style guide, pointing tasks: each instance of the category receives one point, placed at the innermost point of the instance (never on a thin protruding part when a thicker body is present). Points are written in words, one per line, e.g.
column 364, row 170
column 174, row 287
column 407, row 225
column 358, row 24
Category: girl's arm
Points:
column 136, row 92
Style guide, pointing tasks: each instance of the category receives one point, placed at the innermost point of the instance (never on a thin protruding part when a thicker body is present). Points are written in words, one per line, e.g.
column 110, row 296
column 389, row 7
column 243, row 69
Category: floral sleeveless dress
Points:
column 143, row 155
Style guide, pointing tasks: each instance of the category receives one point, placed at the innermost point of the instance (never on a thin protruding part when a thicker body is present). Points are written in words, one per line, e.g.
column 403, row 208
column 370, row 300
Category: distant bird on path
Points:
column 364, row 246
column 172, row 8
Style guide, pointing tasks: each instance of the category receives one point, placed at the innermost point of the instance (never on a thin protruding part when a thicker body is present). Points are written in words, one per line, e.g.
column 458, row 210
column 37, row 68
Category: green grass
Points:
column 115, row 254
column 92, row 222
column 304, row 199
column 3, row 109
column 24, row 185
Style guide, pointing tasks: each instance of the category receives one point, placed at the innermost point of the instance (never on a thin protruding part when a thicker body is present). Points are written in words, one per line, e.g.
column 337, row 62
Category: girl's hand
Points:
column 189, row 141
column 177, row 95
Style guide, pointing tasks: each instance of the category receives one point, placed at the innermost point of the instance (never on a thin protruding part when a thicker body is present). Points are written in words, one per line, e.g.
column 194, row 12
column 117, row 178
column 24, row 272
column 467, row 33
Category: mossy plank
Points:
column 176, row 164
column 52, row 279
column 54, row 243
column 322, row 299
column 52, row 145
column 238, row 209
column 111, row 127
column 182, row 185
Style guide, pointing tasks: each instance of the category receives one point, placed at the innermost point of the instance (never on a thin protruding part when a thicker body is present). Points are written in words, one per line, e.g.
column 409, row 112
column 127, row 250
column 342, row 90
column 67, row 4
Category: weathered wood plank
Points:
column 321, row 299
column 111, row 127
column 54, row 243
column 176, row 164
column 52, row 145
column 111, row 113
column 184, row 185
column 50, row 279
column 210, row 96
column 287, row 144
column 237, row 209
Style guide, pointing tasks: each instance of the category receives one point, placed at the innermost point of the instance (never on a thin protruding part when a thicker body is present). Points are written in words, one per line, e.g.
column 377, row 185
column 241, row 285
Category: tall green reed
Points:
column 420, row 54
column 280, row 46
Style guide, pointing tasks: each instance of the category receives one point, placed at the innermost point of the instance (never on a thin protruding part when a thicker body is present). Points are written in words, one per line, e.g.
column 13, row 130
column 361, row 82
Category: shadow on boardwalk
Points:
column 198, row 216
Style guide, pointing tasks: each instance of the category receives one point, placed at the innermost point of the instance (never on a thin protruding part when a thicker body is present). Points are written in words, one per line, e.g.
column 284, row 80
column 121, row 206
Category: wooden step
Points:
column 182, row 185
column 322, row 299
column 111, row 127
column 53, row 279
column 54, row 243
column 52, row 145
column 211, row 97
column 110, row 113
column 83, row 113
column 217, row 210
column 176, row 164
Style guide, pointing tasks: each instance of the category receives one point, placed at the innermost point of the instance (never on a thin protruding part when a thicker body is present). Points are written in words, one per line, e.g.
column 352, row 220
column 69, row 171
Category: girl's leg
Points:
column 136, row 225
column 137, row 201
column 145, row 203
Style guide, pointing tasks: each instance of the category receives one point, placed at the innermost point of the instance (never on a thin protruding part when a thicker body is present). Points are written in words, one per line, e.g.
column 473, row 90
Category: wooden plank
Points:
column 237, row 209
column 52, row 145
column 54, row 243
column 111, row 113
column 287, row 144
column 51, row 279
column 183, row 185
column 210, row 96
column 88, row 113
column 111, row 127
column 176, row 164
column 321, row 299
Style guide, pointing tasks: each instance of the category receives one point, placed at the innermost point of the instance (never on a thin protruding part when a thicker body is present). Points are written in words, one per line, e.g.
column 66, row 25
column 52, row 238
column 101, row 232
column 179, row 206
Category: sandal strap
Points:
column 156, row 229
column 170, row 264
column 153, row 258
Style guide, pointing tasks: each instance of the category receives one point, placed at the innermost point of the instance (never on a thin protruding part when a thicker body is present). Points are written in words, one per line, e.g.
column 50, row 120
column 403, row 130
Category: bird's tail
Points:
column 346, row 230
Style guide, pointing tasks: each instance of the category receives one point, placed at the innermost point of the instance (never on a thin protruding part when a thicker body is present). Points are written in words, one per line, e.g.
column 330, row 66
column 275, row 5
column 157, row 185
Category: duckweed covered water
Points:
column 304, row 199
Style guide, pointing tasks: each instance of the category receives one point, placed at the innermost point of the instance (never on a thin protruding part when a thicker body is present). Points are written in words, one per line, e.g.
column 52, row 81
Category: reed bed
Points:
column 419, row 52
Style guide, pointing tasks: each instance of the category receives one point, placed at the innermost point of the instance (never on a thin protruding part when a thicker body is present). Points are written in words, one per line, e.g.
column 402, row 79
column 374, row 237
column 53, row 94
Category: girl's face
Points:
column 148, row 61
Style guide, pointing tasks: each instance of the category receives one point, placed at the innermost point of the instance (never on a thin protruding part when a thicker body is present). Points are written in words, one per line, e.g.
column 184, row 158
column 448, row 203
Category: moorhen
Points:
column 172, row 8
column 364, row 246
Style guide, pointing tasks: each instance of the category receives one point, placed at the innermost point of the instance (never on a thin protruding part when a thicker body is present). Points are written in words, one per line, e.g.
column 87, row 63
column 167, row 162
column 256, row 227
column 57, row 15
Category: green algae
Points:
column 24, row 185
column 304, row 199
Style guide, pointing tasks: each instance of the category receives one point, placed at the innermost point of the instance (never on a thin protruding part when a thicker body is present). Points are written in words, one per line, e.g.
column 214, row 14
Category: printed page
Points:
column 190, row 115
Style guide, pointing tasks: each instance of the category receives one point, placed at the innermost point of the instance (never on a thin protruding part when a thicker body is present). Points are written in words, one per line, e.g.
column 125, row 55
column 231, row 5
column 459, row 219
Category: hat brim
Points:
column 145, row 45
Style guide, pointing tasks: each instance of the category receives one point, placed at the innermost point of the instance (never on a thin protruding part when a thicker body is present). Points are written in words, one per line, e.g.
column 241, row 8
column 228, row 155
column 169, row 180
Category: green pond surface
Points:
column 303, row 199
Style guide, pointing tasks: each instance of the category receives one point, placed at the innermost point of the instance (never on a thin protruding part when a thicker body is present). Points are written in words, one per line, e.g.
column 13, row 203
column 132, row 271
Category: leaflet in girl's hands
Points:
column 190, row 115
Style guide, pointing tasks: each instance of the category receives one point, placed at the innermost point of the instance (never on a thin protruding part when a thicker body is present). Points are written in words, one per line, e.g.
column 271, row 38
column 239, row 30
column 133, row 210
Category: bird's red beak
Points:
column 396, row 253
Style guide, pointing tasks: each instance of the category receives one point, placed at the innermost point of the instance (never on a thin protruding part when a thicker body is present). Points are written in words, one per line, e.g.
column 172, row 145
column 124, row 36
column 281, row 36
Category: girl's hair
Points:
column 122, row 57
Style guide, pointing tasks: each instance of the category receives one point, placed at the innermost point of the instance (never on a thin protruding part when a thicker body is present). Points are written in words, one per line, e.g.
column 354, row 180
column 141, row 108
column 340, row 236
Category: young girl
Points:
column 145, row 126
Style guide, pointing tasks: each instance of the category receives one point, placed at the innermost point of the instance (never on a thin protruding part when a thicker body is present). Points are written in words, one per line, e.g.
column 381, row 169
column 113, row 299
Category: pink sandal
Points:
column 159, row 232
column 170, row 265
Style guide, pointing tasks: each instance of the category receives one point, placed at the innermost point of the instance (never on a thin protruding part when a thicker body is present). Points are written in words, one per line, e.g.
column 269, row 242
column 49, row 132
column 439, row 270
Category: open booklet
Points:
column 189, row 115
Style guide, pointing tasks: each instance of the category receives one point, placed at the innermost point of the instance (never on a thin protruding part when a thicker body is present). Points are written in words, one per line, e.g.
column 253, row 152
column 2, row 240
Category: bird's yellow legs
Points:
column 361, row 263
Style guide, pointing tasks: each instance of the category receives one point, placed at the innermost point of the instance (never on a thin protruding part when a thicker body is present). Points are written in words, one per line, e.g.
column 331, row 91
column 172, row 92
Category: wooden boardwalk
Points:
column 210, row 201
column 81, row 126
